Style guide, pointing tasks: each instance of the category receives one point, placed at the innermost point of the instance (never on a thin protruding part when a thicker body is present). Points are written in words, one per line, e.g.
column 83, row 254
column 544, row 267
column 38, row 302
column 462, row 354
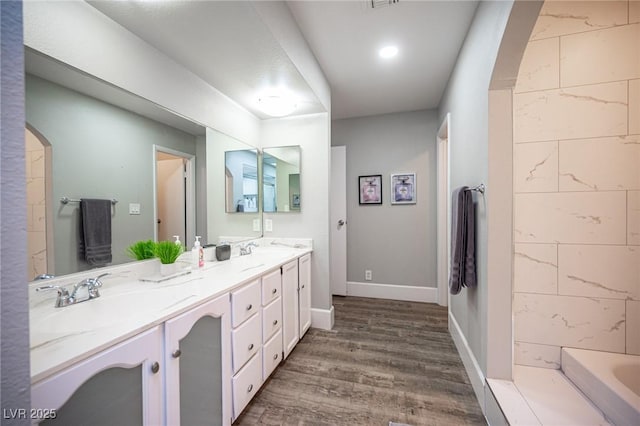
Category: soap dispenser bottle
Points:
column 197, row 253
column 177, row 241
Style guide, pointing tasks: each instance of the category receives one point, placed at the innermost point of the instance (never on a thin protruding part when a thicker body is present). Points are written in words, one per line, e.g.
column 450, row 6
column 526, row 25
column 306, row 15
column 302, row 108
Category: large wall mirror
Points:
column 87, row 139
column 281, row 179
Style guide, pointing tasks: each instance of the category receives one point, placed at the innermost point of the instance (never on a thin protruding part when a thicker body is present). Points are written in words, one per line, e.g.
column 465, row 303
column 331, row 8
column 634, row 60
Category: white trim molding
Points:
column 322, row 318
column 469, row 360
column 393, row 292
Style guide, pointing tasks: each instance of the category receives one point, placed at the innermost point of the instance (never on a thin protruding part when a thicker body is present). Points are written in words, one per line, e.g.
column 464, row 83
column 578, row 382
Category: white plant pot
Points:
column 167, row 269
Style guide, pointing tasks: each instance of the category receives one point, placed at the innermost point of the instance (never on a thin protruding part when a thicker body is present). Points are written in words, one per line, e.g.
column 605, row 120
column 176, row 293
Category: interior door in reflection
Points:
column 172, row 208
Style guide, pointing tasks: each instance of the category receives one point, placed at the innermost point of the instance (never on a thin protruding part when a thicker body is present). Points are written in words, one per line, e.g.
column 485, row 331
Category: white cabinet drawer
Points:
column 246, row 340
column 245, row 302
column 246, row 383
column 271, row 287
column 272, row 355
column 271, row 319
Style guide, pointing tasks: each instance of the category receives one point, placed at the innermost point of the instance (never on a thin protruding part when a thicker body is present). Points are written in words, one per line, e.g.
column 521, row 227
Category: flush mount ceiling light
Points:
column 388, row 52
column 276, row 105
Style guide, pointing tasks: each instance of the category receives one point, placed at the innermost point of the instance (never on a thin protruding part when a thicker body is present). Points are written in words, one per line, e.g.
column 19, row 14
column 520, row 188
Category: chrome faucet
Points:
column 91, row 286
column 246, row 249
column 44, row 277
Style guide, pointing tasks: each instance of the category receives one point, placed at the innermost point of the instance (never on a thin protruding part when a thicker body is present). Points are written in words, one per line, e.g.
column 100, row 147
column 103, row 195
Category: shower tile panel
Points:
column 603, row 63
column 555, row 20
column 611, row 272
column 579, row 322
column 540, row 66
column 535, row 167
column 634, row 11
column 633, row 327
column 573, row 113
column 535, row 355
column 571, row 217
column 633, row 218
column 634, row 107
column 536, row 268
column 600, row 164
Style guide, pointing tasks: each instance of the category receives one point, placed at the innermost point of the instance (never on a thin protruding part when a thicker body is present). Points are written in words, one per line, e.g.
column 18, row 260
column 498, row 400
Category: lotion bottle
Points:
column 197, row 253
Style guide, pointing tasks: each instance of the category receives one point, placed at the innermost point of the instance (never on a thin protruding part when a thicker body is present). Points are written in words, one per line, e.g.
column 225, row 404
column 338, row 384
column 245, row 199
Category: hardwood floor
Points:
column 384, row 361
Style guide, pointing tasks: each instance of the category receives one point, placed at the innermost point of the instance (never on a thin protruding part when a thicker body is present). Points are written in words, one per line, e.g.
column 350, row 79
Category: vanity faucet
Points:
column 246, row 249
column 65, row 299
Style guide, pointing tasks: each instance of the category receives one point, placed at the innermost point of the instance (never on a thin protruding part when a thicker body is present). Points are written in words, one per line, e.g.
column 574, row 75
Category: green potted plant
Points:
column 142, row 250
column 167, row 252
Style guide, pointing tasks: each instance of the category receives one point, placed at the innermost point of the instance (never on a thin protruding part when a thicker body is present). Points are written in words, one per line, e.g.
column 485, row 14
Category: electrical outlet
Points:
column 256, row 225
column 134, row 208
column 268, row 225
column 367, row 275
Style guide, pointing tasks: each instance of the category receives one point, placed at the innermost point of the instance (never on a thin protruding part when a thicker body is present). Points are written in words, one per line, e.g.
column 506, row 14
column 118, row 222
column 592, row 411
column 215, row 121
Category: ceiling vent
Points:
column 376, row 4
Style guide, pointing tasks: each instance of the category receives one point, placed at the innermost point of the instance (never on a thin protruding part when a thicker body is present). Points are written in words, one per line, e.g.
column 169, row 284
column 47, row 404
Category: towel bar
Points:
column 66, row 200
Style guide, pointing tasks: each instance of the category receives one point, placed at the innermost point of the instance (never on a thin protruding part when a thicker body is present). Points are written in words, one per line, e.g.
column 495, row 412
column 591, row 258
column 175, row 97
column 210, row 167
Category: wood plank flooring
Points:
column 384, row 361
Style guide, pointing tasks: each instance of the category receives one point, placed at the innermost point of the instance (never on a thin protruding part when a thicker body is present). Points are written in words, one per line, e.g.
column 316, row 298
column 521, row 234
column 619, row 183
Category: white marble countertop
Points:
column 60, row 337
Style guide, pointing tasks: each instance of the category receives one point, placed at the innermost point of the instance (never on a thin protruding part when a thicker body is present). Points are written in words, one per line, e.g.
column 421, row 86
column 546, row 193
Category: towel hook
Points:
column 479, row 188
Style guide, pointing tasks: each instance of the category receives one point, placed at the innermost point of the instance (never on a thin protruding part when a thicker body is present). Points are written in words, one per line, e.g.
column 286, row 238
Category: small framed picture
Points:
column 403, row 188
column 370, row 189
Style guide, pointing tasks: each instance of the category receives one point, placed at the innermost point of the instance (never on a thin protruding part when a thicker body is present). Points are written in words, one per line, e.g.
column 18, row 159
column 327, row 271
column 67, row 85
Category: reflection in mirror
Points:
column 241, row 161
column 87, row 139
column 241, row 181
column 281, row 179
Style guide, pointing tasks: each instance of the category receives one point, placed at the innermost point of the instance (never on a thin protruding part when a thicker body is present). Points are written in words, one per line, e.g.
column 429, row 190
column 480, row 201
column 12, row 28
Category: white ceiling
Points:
column 345, row 37
column 223, row 42
column 227, row 44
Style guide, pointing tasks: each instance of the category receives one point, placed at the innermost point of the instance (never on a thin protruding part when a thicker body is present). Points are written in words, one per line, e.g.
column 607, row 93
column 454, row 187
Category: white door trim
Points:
column 190, row 193
column 443, row 234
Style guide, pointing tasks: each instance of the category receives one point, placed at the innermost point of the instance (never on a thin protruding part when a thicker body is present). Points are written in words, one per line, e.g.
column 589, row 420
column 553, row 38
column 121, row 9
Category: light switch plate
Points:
column 268, row 225
column 134, row 208
column 256, row 225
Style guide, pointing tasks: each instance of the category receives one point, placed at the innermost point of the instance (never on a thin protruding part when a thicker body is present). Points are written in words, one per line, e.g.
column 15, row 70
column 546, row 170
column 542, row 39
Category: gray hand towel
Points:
column 463, row 241
column 469, row 279
column 458, row 239
column 96, row 231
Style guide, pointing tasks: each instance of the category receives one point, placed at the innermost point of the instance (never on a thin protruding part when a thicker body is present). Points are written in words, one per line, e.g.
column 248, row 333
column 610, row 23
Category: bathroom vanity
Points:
column 187, row 350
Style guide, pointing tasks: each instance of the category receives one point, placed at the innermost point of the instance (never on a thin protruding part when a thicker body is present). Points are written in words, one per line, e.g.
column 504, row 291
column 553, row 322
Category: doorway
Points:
column 443, row 211
column 39, row 201
column 174, row 196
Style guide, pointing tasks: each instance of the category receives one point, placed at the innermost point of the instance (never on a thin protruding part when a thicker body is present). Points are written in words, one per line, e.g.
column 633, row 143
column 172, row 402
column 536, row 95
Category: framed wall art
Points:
column 370, row 188
column 403, row 188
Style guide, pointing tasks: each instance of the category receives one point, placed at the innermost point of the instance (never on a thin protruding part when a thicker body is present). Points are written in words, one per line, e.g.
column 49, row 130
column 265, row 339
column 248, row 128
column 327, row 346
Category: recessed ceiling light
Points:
column 388, row 52
column 276, row 105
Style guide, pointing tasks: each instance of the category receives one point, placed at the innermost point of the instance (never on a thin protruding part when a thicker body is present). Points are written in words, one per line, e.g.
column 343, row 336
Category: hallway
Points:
column 384, row 361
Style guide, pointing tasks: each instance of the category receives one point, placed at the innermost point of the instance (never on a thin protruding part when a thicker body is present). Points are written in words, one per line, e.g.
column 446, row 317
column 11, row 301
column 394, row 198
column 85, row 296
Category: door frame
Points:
column 190, row 193
column 338, row 252
column 443, row 236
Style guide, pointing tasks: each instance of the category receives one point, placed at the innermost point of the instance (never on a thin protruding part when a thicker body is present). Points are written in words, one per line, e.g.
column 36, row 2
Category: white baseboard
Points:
column 393, row 292
column 322, row 318
column 469, row 360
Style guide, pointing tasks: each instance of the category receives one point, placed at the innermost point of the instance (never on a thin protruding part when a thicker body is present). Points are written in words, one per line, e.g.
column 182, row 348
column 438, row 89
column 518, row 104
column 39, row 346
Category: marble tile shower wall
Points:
column 36, row 212
column 577, row 183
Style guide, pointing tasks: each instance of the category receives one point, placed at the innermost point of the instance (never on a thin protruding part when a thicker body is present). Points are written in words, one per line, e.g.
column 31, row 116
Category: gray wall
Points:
column 396, row 242
column 467, row 99
column 14, row 346
column 98, row 151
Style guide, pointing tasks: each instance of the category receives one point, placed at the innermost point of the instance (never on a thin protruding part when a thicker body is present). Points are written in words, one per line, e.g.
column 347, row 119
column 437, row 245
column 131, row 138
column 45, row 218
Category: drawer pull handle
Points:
column 275, row 356
column 155, row 367
column 250, row 388
column 274, row 291
column 249, row 306
column 250, row 346
column 275, row 322
column 176, row 353
column 302, row 285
